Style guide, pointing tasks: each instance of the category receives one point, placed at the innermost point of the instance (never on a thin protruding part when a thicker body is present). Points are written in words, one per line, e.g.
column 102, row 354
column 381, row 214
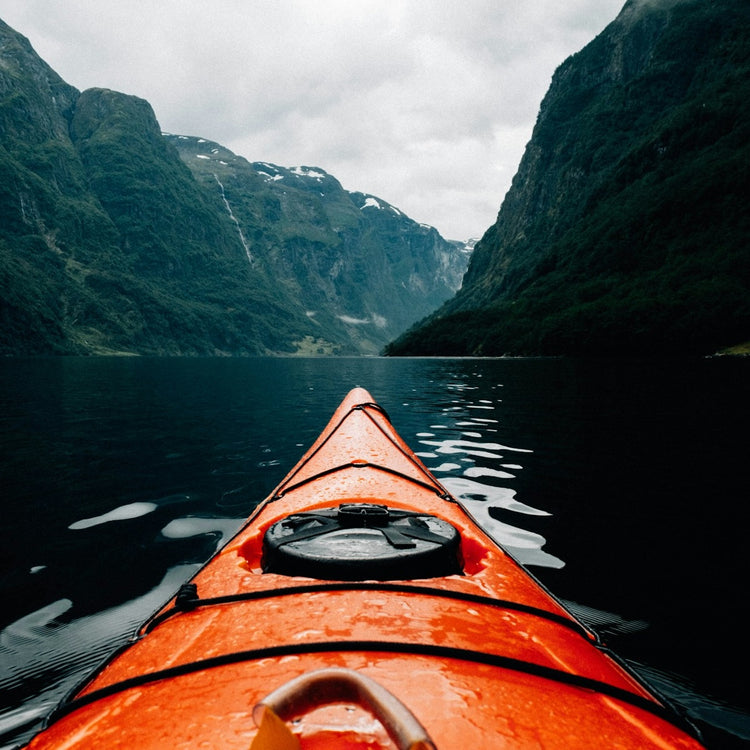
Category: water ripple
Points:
column 123, row 513
column 45, row 648
column 481, row 486
column 479, row 500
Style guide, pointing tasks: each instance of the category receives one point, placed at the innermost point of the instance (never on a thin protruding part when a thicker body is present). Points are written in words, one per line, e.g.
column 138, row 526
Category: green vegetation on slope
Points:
column 115, row 238
column 362, row 270
column 642, row 244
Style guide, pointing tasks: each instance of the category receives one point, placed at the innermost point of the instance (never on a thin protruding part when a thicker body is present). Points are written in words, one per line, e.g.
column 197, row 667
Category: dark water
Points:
column 622, row 485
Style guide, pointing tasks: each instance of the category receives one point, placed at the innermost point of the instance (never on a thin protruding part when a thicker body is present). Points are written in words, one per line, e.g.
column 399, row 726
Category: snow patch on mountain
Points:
column 308, row 172
column 377, row 320
column 271, row 177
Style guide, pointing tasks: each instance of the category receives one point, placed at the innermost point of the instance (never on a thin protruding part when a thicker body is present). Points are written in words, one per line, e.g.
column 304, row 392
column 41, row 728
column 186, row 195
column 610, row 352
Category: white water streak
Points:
column 234, row 219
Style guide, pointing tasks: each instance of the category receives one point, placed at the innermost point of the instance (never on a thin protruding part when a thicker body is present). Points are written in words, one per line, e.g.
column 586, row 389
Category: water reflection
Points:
column 479, row 474
column 44, row 654
column 122, row 513
column 619, row 453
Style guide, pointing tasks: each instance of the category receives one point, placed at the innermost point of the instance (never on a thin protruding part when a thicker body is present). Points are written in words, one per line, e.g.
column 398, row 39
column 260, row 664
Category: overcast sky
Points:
column 427, row 104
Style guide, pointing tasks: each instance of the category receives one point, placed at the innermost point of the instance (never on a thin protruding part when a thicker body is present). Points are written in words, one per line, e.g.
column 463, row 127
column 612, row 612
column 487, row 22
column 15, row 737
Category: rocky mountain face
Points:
column 351, row 260
column 115, row 238
column 624, row 229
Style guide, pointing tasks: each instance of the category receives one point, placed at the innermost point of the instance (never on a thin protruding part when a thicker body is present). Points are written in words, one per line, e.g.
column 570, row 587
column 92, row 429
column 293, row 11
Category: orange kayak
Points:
column 361, row 606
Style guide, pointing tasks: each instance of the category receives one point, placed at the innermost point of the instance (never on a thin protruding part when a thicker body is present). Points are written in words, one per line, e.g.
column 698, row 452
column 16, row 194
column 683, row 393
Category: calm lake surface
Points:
column 620, row 484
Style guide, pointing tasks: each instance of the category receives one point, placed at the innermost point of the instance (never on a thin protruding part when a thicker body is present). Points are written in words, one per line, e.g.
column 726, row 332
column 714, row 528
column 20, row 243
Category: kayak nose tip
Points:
column 358, row 396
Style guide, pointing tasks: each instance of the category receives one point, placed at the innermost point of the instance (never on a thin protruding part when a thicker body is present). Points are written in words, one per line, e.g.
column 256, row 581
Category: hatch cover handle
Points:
column 335, row 685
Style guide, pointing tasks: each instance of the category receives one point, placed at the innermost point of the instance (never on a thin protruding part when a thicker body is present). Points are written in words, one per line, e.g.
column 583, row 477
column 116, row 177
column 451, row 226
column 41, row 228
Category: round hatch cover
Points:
column 359, row 541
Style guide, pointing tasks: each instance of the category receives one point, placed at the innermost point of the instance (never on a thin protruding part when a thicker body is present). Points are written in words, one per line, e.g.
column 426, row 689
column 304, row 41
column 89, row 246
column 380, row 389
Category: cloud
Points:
column 427, row 104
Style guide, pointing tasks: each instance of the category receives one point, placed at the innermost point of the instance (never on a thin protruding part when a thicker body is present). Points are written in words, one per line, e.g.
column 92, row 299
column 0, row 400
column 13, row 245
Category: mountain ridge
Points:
column 342, row 254
column 110, row 243
column 623, row 231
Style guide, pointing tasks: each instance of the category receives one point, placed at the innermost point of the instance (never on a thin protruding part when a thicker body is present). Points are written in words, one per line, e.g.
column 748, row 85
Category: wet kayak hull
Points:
column 479, row 653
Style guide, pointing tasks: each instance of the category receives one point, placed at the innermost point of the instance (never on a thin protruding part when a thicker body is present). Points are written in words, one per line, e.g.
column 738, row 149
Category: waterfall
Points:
column 234, row 219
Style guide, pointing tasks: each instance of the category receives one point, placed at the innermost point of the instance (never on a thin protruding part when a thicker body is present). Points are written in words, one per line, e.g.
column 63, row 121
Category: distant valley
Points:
column 349, row 258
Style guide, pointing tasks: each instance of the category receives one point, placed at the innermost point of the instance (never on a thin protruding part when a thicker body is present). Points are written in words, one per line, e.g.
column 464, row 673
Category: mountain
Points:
column 353, row 261
column 110, row 243
column 625, row 229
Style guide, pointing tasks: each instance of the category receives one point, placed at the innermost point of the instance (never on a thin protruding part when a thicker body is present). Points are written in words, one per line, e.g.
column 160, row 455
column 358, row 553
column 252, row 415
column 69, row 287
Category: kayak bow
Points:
column 360, row 606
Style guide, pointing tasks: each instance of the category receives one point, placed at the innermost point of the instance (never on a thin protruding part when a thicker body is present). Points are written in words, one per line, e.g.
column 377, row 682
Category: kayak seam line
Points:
column 437, row 489
column 309, row 456
column 189, row 605
column 396, row 647
column 365, row 405
column 430, row 483
column 411, row 457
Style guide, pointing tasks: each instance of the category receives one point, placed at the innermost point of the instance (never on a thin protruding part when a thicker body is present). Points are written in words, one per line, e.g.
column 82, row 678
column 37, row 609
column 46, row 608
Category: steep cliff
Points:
column 109, row 243
column 623, row 231
column 353, row 261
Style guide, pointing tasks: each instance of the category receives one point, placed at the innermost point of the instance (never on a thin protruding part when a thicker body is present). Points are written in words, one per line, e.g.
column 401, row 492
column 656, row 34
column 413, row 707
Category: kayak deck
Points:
column 482, row 655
